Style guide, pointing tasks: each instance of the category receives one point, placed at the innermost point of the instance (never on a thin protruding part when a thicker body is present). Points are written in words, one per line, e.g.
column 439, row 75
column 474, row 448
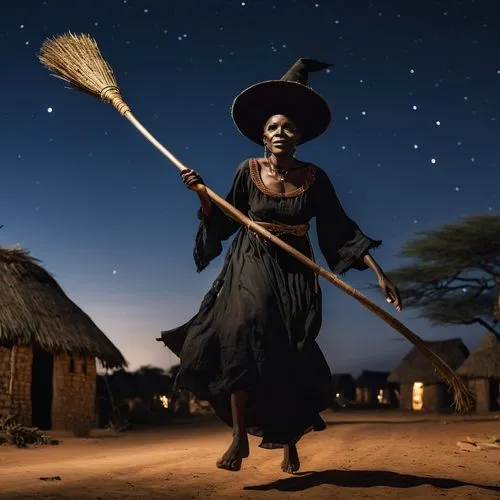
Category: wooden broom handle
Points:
column 245, row 221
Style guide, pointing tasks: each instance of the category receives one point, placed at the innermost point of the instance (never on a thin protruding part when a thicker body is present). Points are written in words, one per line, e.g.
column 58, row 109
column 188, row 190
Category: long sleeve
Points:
column 340, row 239
column 218, row 227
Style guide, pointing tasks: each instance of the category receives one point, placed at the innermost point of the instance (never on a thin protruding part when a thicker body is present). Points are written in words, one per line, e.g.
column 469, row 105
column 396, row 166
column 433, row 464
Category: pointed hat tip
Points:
column 313, row 64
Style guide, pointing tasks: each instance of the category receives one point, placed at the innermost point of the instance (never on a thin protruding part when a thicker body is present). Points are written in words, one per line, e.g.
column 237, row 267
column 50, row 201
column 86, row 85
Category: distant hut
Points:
column 48, row 348
column 344, row 389
column 482, row 368
column 373, row 389
column 421, row 389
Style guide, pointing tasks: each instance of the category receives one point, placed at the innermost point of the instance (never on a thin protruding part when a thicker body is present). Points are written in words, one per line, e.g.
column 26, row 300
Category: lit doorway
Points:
column 418, row 396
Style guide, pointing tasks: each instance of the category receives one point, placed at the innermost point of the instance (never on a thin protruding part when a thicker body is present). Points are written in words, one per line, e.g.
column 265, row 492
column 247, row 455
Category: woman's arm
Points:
column 372, row 264
column 215, row 226
column 343, row 243
column 193, row 181
column 206, row 202
column 341, row 240
column 388, row 288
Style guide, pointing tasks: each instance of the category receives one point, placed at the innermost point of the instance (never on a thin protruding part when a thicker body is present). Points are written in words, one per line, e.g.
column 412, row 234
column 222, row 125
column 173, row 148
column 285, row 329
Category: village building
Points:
column 48, row 348
column 373, row 389
column 482, row 370
column 421, row 388
column 344, row 389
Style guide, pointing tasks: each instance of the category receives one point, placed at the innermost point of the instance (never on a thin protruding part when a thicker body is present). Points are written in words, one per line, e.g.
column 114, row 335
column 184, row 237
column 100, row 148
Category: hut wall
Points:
column 360, row 395
column 481, row 388
column 432, row 397
column 406, row 395
column 21, row 401
column 74, row 391
column 371, row 397
column 438, row 398
column 365, row 395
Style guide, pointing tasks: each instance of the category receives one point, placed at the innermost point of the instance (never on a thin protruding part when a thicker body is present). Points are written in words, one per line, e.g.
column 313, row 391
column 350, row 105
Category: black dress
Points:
column 256, row 328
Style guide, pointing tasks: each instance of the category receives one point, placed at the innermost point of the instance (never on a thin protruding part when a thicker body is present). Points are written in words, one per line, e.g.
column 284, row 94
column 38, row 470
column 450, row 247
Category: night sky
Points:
column 414, row 144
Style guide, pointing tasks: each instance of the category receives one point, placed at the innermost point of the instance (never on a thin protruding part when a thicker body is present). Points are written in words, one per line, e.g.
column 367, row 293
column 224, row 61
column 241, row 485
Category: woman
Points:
column 251, row 350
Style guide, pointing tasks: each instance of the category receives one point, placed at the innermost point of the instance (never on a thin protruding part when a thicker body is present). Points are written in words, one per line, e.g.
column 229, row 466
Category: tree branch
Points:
column 489, row 270
column 482, row 322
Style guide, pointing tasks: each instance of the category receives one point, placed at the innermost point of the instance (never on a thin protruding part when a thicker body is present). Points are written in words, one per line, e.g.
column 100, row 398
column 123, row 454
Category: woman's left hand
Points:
column 390, row 291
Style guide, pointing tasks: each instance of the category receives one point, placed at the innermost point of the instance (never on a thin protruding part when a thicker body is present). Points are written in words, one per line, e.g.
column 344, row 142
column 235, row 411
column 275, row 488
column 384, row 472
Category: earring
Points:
column 267, row 153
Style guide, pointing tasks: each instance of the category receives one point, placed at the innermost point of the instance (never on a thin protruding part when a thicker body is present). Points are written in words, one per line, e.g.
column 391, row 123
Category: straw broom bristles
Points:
column 78, row 60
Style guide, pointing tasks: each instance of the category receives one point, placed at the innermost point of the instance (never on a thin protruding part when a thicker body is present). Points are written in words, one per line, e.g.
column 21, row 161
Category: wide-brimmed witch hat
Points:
column 289, row 96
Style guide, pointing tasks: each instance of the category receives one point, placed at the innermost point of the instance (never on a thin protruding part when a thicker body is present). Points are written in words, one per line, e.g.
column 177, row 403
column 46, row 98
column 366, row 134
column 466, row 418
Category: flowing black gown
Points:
column 256, row 328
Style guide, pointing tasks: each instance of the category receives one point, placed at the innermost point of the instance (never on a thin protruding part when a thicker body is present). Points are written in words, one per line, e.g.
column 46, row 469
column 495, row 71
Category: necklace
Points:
column 282, row 175
column 277, row 172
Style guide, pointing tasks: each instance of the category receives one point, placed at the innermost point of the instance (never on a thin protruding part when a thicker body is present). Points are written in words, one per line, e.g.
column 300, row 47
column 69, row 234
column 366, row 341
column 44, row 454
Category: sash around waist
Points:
column 280, row 228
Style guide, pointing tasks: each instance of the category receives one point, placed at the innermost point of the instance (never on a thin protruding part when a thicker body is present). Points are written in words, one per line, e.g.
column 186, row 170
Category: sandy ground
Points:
column 385, row 455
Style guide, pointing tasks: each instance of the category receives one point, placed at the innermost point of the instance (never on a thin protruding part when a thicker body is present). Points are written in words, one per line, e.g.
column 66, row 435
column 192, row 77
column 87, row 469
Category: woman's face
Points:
column 280, row 135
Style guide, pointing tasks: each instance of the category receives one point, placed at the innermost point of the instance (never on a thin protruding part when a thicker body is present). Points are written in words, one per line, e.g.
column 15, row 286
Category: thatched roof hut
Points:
column 482, row 369
column 484, row 362
column 35, row 309
column 416, row 367
column 421, row 388
column 48, row 348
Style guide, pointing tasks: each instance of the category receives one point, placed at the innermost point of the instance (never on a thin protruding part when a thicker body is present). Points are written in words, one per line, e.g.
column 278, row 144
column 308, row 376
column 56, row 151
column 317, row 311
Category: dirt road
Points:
column 360, row 455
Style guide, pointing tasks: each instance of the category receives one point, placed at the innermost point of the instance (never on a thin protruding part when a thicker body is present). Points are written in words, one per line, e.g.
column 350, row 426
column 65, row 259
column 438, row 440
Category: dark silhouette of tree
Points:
column 122, row 384
column 173, row 371
column 133, row 396
column 454, row 276
column 151, row 381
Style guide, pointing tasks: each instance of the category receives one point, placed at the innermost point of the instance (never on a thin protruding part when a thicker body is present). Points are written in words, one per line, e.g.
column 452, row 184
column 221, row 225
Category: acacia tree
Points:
column 454, row 273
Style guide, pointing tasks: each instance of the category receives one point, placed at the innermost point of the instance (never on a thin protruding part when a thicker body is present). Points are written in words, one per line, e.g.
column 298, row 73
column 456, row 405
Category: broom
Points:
column 78, row 60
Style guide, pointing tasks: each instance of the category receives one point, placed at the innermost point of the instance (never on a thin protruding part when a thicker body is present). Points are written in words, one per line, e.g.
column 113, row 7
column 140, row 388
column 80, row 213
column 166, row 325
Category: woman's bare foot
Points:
column 239, row 449
column 291, row 462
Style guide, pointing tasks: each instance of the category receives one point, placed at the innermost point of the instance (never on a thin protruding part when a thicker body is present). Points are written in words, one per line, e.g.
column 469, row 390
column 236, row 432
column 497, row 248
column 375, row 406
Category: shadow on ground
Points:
column 444, row 418
column 362, row 479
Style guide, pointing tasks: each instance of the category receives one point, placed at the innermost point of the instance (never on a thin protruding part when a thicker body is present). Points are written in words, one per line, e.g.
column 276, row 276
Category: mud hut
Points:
column 421, row 389
column 48, row 348
column 373, row 389
column 482, row 369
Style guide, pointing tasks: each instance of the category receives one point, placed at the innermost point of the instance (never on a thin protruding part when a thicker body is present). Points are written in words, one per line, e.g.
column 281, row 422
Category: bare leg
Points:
column 291, row 462
column 239, row 448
